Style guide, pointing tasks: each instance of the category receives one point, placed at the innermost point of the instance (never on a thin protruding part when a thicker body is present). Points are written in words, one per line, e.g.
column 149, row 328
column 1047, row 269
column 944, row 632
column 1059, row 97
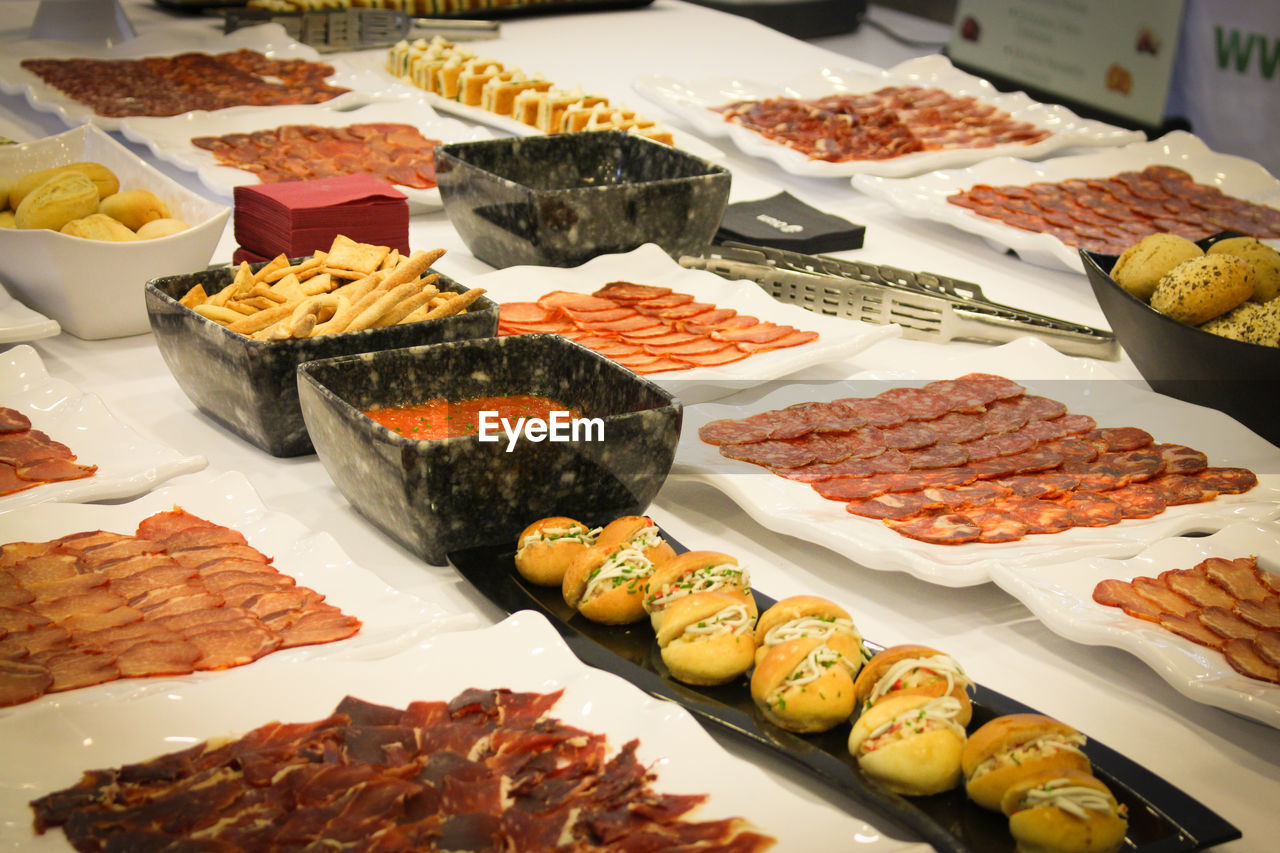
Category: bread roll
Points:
column 64, row 197
column 1249, row 322
column 1008, row 748
column 104, row 180
column 157, row 228
column 7, row 219
column 98, row 226
column 606, row 584
column 1200, row 289
column 804, row 616
column 910, row 744
column 914, row 670
column 637, row 531
column 693, row 572
column 806, row 684
column 1064, row 811
column 134, row 208
column 1264, row 260
column 6, row 187
column 546, row 548
column 1141, row 266
column 706, row 637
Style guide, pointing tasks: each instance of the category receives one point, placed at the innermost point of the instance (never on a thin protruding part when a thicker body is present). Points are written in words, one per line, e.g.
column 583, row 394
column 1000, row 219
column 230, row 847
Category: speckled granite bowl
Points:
column 250, row 386
column 434, row 497
column 561, row 200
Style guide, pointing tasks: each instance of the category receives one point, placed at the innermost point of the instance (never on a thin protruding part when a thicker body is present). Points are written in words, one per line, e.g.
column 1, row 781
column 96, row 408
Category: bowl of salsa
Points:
column 460, row 444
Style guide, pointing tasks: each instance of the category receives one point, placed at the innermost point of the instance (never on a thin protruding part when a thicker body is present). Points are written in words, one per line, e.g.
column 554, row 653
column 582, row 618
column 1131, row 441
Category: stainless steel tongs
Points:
column 928, row 307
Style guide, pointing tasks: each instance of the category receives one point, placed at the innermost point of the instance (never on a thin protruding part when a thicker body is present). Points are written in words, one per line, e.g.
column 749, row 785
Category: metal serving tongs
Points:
column 928, row 307
column 330, row 30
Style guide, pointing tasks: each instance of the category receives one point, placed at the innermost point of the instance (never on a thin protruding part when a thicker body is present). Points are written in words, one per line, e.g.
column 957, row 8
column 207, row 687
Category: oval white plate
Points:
column 20, row 323
column 694, row 102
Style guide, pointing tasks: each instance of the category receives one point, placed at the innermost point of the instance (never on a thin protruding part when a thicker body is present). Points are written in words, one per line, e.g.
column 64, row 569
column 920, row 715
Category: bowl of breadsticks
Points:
column 233, row 337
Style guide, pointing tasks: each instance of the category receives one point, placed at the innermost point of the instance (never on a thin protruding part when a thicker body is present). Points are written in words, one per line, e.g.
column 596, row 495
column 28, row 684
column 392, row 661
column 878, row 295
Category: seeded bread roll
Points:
column 1249, row 322
column 1141, row 266
column 694, row 572
column 706, row 637
column 1064, row 811
column 802, row 615
column 606, row 584
column 547, row 547
column 806, row 684
column 1264, row 260
column 1200, row 289
column 1009, row 748
column 910, row 744
column 910, row 669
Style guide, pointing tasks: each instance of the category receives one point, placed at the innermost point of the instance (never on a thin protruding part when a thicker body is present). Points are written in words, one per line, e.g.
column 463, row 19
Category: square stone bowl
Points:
column 249, row 386
column 563, row 199
column 434, row 497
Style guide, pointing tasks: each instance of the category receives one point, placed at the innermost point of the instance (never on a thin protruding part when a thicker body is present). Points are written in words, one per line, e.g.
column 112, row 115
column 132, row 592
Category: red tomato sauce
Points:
column 440, row 418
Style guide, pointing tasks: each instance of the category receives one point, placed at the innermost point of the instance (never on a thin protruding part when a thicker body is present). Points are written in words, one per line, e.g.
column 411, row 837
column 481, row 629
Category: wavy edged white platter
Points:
column 268, row 39
column 392, row 620
column 1061, row 596
column 19, row 323
column 794, row 508
column 925, row 197
column 649, row 264
column 523, row 653
column 694, row 102
column 128, row 464
column 170, row 138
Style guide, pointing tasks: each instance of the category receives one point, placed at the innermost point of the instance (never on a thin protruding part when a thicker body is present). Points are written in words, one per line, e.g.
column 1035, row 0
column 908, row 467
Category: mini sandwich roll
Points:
column 1009, row 748
column 606, row 584
column 1064, row 811
column 805, row 616
column 706, row 637
column 694, row 572
column 911, row 669
column 639, row 532
column 547, row 547
column 910, row 743
column 806, row 684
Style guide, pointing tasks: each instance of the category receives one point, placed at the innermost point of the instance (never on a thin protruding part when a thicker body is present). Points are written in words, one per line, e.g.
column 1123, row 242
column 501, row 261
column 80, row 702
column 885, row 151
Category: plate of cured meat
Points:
column 1066, row 462
column 1103, row 201
column 164, row 73
column 394, row 141
column 691, row 331
column 1203, row 612
column 103, row 604
column 920, row 115
column 19, row 323
column 451, row 689
column 58, row 443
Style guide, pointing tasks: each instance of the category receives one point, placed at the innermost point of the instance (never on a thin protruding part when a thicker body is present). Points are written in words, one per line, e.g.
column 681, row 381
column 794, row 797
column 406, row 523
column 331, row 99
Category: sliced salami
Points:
column 1120, row 438
column 817, row 472
column 996, row 387
column 898, row 505
column 944, row 455
column 1001, row 444
column 1043, row 431
column 1040, row 516
column 1181, row 489
column 961, row 396
column 919, row 404
column 1139, row 500
column 1034, row 406
column 772, row 454
column 1180, row 459
column 864, row 443
column 782, row 423
column 1096, row 476
column 825, row 448
column 964, row 496
column 1002, row 420
column 1047, row 484
column 909, row 436
column 829, row 417
column 852, row 489
column 1035, row 459
column 1073, row 424
column 958, row 428
column 891, row 462
column 1073, row 449
column 878, row 413
column 950, row 528
column 997, row 525
column 1091, row 509
column 1227, row 481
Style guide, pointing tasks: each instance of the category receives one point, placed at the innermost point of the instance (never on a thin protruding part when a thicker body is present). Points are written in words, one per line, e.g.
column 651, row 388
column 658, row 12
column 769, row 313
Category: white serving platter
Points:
column 170, row 138
column 694, row 101
column 392, row 620
column 1084, row 385
column 128, row 464
column 522, row 653
column 1061, row 596
column 19, row 323
column 925, row 197
column 649, row 264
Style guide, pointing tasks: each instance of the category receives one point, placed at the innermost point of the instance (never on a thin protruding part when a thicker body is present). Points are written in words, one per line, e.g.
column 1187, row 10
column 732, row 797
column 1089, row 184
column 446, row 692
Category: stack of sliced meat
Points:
column 973, row 459
column 649, row 329
column 487, row 771
column 1111, row 214
column 29, row 457
column 1228, row 605
column 183, row 594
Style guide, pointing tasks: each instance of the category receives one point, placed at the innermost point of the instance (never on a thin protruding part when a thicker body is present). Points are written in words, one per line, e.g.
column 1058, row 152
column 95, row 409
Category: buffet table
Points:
column 1230, row 763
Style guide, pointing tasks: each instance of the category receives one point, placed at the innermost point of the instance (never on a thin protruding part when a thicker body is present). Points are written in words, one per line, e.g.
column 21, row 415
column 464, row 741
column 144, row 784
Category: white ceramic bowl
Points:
column 94, row 288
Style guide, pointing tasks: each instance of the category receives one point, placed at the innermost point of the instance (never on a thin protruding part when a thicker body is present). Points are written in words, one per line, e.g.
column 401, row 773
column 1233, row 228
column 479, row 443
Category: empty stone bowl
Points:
column 563, row 199
column 448, row 494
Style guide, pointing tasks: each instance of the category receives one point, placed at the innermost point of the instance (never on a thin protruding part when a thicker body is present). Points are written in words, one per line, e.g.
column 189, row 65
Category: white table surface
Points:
column 1229, row 763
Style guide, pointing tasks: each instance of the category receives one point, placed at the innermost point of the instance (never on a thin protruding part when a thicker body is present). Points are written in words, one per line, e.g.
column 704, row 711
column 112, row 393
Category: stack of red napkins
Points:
column 297, row 217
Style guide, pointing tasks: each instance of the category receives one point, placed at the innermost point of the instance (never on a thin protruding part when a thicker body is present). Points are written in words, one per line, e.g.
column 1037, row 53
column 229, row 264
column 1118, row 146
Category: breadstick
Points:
column 218, row 313
column 261, row 319
column 369, row 316
column 408, row 306
column 448, row 309
column 417, row 264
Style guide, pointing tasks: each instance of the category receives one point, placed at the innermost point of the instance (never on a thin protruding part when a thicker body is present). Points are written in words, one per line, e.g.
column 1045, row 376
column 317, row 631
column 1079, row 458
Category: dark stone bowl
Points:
column 249, row 386
column 563, row 199
column 439, row 496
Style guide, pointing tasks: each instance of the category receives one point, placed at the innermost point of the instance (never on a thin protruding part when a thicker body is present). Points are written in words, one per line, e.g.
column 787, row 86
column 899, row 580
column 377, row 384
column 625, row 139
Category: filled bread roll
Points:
column 914, row 670
column 606, row 584
column 706, row 637
column 639, row 532
column 1064, row 811
column 806, row 684
column 910, row 743
column 693, row 572
column 1009, row 748
column 547, row 547
column 804, row 616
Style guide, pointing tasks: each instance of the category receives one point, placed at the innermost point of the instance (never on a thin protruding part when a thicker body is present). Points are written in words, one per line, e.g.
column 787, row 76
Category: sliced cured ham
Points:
column 1240, row 577
column 1118, row 593
column 1191, row 628
column 1244, row 659
column 1195, row 585
column 625, row 291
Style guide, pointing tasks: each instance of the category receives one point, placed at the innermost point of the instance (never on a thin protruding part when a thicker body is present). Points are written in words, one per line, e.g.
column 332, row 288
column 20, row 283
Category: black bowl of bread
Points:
column 1201, row 320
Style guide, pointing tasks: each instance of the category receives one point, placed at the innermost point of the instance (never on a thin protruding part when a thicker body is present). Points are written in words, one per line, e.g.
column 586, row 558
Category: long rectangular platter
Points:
column 1162, row 817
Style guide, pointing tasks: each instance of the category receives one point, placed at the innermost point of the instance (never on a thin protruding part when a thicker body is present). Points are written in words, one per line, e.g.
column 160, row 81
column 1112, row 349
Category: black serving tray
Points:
column 1162, row 818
